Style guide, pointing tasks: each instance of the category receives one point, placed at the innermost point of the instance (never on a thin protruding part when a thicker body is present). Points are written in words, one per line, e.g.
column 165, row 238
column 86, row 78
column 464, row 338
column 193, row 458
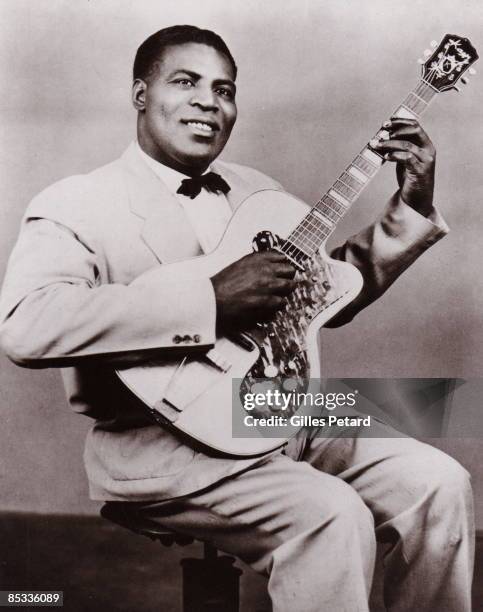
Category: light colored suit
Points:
column 82, row 292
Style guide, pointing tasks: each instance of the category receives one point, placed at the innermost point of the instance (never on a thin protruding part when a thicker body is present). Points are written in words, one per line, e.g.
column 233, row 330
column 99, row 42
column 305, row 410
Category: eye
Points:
column 225, row 93
column 185, row 83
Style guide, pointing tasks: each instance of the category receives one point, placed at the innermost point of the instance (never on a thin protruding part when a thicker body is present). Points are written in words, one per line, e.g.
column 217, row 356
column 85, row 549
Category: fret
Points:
column 425, row 91
column 360, row 176
column 344, row 190
column 340, row 198
column 405, row 112
column 416, row 96
column 351, row 181
column 293, row 251
column 307, row 245
column 307, row 228
column 417, row 101
column 305, row 241
column 320, row 222
column 306, row 238
column 365, row 166
column 415, row 104
column 339, row 208
column 316, row 213
column 303, row 234
column 317, row 221
column 331, row 212
column 373, row 157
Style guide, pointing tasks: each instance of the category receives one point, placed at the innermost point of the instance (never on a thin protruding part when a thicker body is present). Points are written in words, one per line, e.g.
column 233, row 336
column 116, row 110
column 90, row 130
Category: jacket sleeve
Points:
column 385, row 249
column 55, row 311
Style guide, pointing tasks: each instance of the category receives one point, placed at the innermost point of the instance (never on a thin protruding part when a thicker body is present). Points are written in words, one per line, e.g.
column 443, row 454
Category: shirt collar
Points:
column 171, row 178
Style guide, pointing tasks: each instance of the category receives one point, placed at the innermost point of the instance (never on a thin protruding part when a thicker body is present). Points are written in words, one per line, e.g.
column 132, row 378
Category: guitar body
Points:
column 195, row 395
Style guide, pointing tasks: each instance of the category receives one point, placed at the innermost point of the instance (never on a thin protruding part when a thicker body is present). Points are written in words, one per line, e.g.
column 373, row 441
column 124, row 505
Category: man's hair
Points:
column 152, row 49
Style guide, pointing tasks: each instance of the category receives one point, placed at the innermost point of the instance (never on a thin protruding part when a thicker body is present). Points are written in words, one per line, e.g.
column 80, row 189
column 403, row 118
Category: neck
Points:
column 320, row 222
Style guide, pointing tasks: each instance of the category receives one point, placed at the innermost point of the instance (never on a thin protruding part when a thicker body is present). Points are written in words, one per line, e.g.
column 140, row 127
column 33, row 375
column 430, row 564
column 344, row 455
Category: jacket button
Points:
column 177, row 339
column 197, row 338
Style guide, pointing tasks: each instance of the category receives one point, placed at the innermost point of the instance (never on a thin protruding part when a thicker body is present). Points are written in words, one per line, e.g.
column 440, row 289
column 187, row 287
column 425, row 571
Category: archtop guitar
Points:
column 194, row 395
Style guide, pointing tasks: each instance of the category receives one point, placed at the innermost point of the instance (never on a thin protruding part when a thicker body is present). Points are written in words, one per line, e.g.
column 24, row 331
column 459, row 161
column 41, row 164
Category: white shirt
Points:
column 208, row 213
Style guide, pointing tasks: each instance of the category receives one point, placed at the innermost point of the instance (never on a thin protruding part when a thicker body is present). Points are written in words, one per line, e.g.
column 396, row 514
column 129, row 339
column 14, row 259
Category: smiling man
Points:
column 85, row 292
column 173, row 128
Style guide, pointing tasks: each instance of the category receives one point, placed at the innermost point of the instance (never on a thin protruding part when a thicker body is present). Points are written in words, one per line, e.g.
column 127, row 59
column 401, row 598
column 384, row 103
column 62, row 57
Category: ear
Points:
column 139, row 88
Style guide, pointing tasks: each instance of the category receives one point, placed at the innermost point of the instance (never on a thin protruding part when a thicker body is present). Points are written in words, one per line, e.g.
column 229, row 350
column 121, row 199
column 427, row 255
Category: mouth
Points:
column 202, row 127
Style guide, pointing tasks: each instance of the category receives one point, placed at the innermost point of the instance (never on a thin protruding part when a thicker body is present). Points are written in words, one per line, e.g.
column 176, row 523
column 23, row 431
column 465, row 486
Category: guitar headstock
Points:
column 448, row 62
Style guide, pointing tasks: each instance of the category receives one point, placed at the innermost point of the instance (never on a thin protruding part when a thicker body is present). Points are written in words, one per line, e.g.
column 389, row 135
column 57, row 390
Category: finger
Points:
column 388, row 146
column 267, row 257
column 400, row 121
column 414, row 134
column 270, row 305
column 274, row 302
column 284, row 270
column 274, row 256
column 405, row 157
column 408, row 127
column 283, row 287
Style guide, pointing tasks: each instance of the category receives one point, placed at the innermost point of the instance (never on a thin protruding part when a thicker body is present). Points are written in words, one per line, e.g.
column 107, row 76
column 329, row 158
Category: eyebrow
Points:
column 197, row 77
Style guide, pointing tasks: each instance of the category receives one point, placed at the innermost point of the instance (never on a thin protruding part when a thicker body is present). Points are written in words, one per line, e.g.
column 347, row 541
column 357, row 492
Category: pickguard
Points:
column 283, row 362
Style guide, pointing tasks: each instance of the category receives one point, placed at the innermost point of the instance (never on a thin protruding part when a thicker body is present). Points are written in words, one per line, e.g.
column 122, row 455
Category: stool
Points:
column 210, row 584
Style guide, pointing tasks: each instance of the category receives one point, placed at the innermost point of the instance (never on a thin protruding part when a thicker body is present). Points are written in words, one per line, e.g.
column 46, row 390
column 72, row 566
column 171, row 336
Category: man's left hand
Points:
column 411, row 148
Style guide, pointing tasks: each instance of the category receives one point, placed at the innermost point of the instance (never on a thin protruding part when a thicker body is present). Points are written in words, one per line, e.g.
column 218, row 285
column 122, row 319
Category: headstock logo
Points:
column 450, row 61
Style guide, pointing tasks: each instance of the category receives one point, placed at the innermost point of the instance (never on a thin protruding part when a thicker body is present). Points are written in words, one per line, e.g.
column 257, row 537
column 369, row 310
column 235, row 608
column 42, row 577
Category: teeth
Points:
column 201, row 126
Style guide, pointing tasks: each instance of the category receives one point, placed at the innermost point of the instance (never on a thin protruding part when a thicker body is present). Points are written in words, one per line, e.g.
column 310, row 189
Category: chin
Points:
column 198, row 161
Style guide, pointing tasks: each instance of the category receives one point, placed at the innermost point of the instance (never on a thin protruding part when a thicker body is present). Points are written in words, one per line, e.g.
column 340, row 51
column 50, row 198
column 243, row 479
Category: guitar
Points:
column 196, row 396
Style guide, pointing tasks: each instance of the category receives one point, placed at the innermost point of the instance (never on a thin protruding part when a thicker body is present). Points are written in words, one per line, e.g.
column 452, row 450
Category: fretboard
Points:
column 322, row 219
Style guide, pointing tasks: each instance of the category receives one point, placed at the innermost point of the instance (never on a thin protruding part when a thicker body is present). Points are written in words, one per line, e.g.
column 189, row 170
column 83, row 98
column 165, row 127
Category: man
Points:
column 84, row 292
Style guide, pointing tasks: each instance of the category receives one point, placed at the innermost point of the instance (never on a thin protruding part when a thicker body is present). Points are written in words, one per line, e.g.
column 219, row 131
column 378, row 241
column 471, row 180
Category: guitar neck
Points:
column 322, row 219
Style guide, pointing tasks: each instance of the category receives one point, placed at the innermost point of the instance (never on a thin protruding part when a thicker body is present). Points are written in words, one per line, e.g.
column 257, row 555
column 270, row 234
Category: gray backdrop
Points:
column 317, row 77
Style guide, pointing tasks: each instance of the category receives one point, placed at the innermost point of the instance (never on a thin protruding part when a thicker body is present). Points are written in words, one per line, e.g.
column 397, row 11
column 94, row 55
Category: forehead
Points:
column 206, row 61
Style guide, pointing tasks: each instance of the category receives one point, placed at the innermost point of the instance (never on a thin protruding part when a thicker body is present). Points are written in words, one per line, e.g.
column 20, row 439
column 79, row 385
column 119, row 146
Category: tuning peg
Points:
column 464, row 80
column 420, row 61
column 458, row 89
column 433, row 44
column 427, row 52
column 472, row 71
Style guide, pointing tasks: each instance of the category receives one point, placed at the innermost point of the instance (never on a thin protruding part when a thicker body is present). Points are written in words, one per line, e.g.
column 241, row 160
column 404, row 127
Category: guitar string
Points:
column 304, row 231
column 305, row 228
column 424, row 93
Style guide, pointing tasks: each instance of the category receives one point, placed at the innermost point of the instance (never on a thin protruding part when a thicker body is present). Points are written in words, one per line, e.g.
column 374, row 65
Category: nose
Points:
column 205, row 98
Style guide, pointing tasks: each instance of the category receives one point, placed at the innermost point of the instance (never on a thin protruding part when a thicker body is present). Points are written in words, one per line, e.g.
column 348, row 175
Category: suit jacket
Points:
column 82, row 292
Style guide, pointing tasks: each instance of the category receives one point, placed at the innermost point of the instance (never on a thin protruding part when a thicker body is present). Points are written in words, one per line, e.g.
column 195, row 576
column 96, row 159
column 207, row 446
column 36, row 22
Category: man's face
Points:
column 187, row 107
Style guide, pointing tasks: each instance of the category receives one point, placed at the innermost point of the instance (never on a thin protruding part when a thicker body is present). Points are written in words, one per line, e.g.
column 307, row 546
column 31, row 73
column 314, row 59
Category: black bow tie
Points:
column 212, row 182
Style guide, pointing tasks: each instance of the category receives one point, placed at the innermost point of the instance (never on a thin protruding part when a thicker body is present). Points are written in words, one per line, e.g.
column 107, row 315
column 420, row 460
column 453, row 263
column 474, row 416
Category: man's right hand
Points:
column 252, row 288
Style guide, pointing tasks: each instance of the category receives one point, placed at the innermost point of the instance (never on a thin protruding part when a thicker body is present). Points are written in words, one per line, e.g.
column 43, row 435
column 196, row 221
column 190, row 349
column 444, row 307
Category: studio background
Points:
column 316, row 79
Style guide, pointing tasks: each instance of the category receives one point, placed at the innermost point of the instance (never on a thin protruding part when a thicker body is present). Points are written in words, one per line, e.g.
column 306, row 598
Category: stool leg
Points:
column 211, row 584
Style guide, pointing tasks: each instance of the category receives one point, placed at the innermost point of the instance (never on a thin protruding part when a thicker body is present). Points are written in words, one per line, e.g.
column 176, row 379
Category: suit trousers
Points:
column 309, row 518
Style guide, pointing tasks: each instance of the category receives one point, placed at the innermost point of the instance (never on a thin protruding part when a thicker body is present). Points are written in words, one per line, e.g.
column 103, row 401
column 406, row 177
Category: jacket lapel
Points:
column 166, row 230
